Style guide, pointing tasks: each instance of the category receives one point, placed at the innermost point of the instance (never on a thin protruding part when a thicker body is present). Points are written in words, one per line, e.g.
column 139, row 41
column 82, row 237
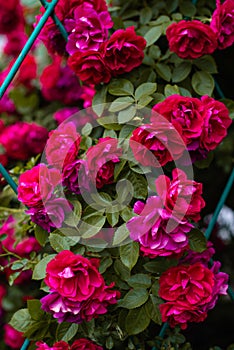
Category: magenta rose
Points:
column 62, row 114
column 124, row 51
column 216, row 122
column 158, row 232
column 87, row 95
column 15, row 43
column 23, row 140
column 59, row 83
column 90, row 67
column 181, row 195
column 37, row 185
column 63, row 145
column 191, row 39
column 75, row 176
column 183, row 112
column 12, row 337
column 61, row 345
column 87, row 30
column 222, row 23
column 52, row 214
column 73, row 276
column 157, row 143
column 85, row 344
column 101, row 160
column 11, row 16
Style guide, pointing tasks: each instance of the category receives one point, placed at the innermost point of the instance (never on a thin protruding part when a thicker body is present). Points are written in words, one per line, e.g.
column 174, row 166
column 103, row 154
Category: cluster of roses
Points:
column 79, row 344
column 193, row 39
column 180, row 124
column 66, row 170
column 163, row 222
column 191, row 289
column 77, row 290
column 93, row 57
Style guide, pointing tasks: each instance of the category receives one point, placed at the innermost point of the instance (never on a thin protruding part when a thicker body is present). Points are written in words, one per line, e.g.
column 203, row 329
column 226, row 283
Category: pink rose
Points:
column 124, row 51
column 181, row 195
column 12, row 337
column 222, row 23
column 23, row 140
column 183, row 112
column 73, row 276
column 216, row 123
column 37, row 185
column 63, row 145
column 90, row 67
column 85, row 344
column 158, row 232
column 191, row 39
column 15, row 43
column 87, row 30
column 11, row 16
column 61, row 345
column 62, row 114
column 157, row 143
column 87, row 95
column 101, row 160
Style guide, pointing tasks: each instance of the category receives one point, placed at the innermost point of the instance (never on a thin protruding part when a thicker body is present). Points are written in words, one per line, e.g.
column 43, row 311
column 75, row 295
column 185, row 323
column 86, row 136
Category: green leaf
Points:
column 129, row 254
column 145, row 15
column 71, row 332
column 121, row 103
column 120, row 235
column 134, row 298
column 171, row 5
column 37, row 330
column 203, row 83
column 126, row 131
column 140, row 280
column 187, row 8
column 197, row 240
column 205, row 163
column 21, row 320
column 127, row 114
column 163, row 71
column 105, row 263
column 206, row 63
column 185, row 92
column 145, row 89
column 144, row 101
column 152, row 309
column 118, row 168
column 139, row 184
column 99, row 100
column 137, row 320
column 112, row 218
column 230, row 106
column 121, row 87
column 74, row 217
column 39, row 271
column 110, row 133
column 126, row 214
column 171, row 90
column 41, row 235
column 58, row 243
column 121, row 270
column 181, row 72
column 160, row 265
column 92, row 226
column 34, row 308
column 153, row 35
column 87, row 129
column 109, row 343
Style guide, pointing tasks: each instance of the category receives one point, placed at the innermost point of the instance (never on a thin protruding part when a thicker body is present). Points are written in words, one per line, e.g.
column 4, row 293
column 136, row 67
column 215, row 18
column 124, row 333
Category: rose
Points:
column 75, row 176
column 184, row 113
column 73, row 276
column 190, row 285
column 222, row 23
column 37, row 185
column 90, row 67
column 15, row 43
column 27, row 72
column 60, row 83
column 181, row 195
column 12, row 337
column 124, row 51
column 101, row 160
column 85, row 344
column 62, row 114
column 61, row 345
column 216, row 122
column 63, row 145
column 23, row 140
column 11, row 16
column 151, row 229
column 191, row 39
column 88, row 29
column 52, row 214
column 157, row 143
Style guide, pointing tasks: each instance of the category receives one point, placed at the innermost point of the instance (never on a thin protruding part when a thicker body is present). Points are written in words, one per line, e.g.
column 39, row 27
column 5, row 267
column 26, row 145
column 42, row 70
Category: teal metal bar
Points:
column 25, row 344
column 27, row 47
column 221, row 202
column 8, row 178
column 56, row 21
